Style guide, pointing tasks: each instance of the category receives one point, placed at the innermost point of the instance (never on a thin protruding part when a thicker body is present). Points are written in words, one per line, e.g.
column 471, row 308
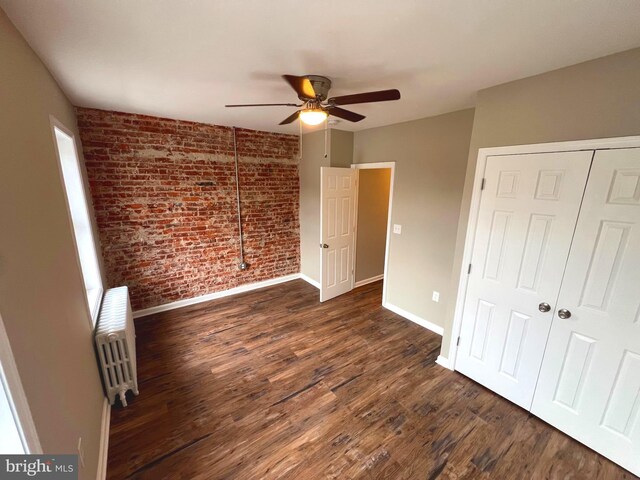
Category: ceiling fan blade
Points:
column 290, row 118
column 301, row 85
column 345, row 114
column 264, row 105
column 380, row 96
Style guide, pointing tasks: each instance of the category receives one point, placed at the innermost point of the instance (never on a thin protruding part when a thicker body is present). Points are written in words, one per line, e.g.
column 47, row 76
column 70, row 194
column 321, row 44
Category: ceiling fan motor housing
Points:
column 321, row 86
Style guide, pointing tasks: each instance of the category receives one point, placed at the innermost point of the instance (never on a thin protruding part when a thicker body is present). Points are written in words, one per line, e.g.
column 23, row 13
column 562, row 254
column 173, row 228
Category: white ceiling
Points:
column 186, row 58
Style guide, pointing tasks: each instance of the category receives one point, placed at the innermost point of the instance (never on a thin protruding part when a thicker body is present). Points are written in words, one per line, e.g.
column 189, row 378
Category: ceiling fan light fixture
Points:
column 313, row 116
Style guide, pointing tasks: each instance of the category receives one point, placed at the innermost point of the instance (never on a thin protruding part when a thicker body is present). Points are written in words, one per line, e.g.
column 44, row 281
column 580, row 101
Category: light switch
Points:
column 397, row 229
column 436, row 296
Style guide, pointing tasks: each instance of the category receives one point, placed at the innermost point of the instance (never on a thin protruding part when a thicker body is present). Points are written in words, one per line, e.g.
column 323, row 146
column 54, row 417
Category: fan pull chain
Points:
column 326, row 135
column 300, row 139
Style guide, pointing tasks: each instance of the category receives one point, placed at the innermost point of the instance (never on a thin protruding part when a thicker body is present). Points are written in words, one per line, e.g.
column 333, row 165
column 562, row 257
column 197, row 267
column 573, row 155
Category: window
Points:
column 79, row 212
column 10, row 438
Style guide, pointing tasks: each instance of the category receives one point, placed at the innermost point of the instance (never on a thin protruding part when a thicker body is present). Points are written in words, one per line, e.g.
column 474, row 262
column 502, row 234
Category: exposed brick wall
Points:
column 165, row 201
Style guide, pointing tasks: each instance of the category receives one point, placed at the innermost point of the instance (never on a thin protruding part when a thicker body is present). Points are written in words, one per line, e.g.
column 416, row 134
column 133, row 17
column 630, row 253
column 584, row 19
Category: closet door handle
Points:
column 563, row 313
column 544, row 307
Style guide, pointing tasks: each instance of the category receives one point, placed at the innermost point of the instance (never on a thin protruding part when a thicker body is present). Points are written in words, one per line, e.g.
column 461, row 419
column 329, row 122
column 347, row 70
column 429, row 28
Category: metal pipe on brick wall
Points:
column 242, row 265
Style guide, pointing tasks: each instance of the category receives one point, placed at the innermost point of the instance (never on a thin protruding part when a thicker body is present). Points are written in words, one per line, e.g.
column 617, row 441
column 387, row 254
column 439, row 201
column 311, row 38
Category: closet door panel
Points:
column 589, row 385
column 527, row 217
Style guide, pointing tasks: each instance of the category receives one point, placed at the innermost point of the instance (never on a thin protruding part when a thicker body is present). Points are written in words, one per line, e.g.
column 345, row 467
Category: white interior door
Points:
column 17, row 431
column 337, row 226
column 527, row 216
column 589, row 383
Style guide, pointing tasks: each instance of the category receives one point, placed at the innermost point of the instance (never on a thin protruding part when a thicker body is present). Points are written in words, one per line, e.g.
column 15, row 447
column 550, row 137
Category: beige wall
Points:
column 595, row 99
column 339, row 154
column 431, row 158
column 341, row 151
column 312, row 160
column 373, row 209
column 41, row 291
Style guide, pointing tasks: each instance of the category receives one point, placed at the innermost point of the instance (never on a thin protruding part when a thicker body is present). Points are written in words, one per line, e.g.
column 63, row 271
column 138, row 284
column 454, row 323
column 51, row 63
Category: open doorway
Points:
column 373, row 218
column 339, row 224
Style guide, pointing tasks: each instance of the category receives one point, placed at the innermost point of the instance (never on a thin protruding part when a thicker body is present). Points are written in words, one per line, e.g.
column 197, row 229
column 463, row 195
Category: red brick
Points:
column 164, row 195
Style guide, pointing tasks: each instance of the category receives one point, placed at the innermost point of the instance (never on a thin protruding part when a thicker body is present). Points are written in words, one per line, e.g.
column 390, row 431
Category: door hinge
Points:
column 469, row 269
column 458, row 342
column 484, row 180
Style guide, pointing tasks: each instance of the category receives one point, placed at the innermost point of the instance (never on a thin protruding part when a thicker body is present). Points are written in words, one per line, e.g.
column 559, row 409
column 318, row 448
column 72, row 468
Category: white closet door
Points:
column 527, row 217
column 589, row 384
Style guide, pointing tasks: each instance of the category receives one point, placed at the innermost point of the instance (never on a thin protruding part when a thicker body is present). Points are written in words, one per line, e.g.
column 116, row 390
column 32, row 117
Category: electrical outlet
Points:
column 397, row 229
column 80, row 452
column 436, row 296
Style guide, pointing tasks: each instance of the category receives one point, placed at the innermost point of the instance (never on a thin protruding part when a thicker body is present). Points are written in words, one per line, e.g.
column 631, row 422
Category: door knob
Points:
column 564, row 313
column 324, row 245
column 544, row 307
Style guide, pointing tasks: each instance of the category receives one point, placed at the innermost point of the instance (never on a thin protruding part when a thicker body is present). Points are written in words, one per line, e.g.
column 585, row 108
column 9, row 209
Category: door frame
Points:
column 10, row 379
column 376, row 165
column 483, row 154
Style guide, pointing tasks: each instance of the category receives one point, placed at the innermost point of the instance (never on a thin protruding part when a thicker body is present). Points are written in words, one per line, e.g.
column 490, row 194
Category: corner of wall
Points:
column 49, row 327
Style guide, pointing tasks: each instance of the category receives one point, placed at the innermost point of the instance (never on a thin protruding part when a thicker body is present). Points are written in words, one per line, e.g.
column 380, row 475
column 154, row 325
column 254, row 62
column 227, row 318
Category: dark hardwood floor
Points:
column 273, row 384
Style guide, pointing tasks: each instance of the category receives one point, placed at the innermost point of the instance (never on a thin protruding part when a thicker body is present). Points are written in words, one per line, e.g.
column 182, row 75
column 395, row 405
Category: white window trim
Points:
column 16, row 396
column 92, row 309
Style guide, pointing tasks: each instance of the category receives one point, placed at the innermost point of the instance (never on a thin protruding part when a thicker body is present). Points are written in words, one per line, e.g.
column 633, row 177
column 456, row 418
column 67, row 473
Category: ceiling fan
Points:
column 313, row 90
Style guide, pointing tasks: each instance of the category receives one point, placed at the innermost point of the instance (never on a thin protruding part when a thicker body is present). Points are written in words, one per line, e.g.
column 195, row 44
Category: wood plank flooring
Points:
column 272, row 384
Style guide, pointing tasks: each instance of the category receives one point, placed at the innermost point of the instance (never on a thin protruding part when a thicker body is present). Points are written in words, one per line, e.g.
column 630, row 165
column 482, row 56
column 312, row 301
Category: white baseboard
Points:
column 310, row 280
column 215, row 295
column 414, row 318
column 443, row 362
column 368, row 280
column 103, row 453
